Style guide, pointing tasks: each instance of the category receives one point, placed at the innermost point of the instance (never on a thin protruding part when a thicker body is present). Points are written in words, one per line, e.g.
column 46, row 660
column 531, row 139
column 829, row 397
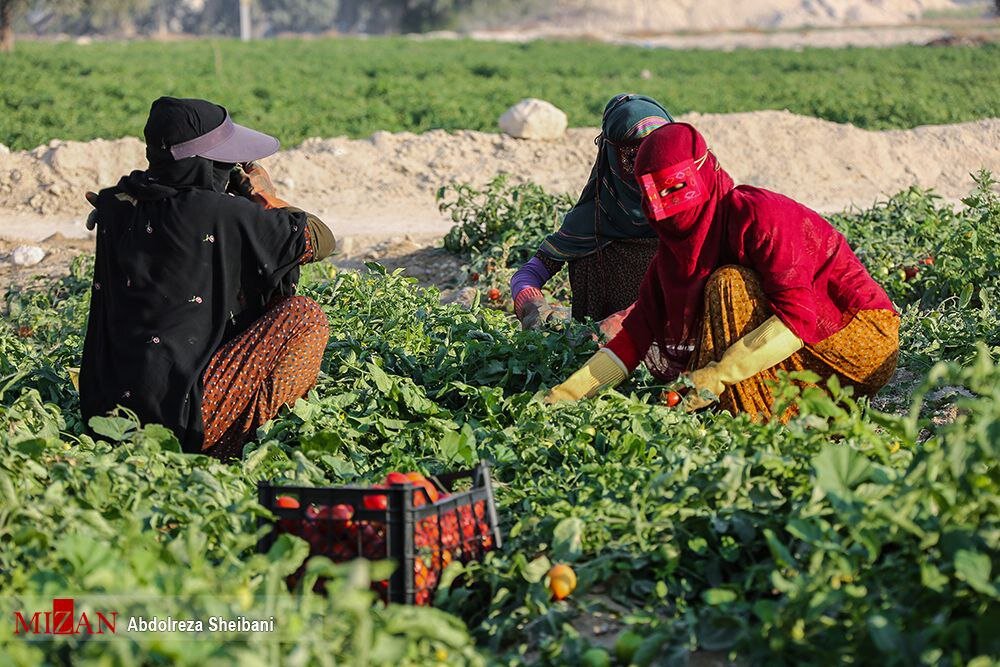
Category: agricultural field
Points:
column 323, row 88
column 861, row 533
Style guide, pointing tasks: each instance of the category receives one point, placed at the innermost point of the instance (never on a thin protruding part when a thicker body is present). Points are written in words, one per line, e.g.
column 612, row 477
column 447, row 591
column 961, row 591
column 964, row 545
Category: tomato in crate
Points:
column 421, row 524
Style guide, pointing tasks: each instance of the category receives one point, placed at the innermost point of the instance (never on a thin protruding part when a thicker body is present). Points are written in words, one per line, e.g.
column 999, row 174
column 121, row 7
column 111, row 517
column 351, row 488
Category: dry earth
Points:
column 727, row 24
column 706, row 15
column 379, row 193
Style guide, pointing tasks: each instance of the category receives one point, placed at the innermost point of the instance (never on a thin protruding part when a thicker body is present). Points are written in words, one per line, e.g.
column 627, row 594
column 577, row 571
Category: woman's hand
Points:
column 611, row 325
column 691, row 396
column 92, row 218
column 601, row 371
column 252, row 181
column 534, row 311
column 538, row 315
column 708, row 378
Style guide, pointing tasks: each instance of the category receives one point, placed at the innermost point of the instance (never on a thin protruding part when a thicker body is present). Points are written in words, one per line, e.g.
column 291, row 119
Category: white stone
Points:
column 533, row 119
column 4, row 150
column 27, row 255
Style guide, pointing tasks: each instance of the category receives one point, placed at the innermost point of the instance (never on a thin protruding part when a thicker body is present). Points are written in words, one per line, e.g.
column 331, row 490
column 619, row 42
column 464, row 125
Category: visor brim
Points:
column 244, row 145
column 228, row 142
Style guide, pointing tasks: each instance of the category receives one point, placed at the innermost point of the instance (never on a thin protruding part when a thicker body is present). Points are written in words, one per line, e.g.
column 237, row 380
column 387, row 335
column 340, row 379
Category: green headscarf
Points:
column 610, row 206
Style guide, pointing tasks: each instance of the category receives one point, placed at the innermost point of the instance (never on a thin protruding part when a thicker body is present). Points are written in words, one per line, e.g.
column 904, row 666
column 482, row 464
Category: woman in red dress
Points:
column 745, row 282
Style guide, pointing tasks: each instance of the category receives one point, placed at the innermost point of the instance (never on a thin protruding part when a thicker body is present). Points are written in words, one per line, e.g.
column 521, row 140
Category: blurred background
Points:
column 510, row 19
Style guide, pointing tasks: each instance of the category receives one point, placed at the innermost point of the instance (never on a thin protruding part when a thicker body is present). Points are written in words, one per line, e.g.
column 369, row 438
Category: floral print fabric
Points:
column 863, row 354
column 250, row 378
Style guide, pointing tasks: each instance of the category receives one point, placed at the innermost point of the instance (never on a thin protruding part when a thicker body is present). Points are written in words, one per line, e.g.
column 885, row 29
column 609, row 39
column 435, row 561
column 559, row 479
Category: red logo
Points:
column 63, row 620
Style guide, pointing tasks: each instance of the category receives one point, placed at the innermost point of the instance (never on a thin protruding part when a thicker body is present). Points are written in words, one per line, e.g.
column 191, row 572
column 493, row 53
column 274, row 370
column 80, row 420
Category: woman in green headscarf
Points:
column 605, row 238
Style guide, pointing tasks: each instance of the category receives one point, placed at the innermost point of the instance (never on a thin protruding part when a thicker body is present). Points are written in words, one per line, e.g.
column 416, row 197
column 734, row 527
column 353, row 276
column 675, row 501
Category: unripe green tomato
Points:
column 595, row 657
column 626, row 646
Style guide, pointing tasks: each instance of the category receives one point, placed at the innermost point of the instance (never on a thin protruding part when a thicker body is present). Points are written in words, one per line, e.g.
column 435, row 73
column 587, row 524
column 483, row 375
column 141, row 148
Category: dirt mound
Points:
column 647, row 16
column 385, row 186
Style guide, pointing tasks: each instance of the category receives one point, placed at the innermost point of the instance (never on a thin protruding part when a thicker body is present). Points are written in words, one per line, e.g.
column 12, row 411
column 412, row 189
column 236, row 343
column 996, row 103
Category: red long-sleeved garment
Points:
column 813, row 281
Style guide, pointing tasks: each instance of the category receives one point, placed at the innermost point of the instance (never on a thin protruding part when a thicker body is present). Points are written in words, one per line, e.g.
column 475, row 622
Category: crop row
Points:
column 353, row 87
column 850, row 534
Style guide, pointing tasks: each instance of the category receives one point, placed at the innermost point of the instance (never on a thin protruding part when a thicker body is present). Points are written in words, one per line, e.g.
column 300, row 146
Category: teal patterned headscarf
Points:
column 610, row 206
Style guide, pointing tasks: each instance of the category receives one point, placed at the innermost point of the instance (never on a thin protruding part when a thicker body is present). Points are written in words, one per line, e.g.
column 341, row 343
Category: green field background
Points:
column 303, row 88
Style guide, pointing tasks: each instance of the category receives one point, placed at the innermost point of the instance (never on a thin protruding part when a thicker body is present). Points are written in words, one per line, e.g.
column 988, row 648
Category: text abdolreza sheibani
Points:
column 213, row 624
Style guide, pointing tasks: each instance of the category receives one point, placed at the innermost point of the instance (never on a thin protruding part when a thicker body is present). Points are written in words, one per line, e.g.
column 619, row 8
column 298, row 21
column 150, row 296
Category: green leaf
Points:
column 287, row 553
column 536, row 570
column 567, row 539
column 885, row 635
column 33, row 447
column 718, row 596
column 779, row 551
column 382, row 569
column 305, row 410
column 932, row 578
column 382, row 380
column 839, row 469
column 965, row 297
column 699, row 545
column 163, row 437
column 974, row 569
column 113, row 428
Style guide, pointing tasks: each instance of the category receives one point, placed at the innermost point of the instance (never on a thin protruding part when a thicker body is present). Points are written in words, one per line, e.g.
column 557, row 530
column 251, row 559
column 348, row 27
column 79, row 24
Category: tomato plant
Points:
column 851, row 534
column 362, row 86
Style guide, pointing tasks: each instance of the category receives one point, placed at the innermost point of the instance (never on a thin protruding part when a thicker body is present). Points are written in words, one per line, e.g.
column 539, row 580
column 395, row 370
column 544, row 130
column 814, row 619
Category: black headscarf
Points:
column 610, row 206
column 173, row 121
column 181, row 268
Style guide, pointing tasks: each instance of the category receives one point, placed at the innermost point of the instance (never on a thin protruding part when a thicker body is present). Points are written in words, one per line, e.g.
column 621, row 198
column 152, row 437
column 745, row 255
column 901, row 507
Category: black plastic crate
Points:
column 347, row 522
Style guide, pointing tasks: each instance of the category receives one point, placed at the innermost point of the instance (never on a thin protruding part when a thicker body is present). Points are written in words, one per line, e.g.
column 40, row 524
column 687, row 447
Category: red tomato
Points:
column 671, row 398
column 379, row 502
column 493, row 294
column 449, row 531
column 342, row 552
column 487, row 535
column 929, row 261
column 286, row 502
column 468, row 526
column 909, row 272
column 475, row 276
column 432, row 492
column 396, row 478
column 341, row 512
column 372, row 541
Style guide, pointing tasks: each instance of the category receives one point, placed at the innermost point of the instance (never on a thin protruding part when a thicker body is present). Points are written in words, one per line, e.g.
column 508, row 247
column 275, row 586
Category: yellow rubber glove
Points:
column 767, row 345
column 601, row 371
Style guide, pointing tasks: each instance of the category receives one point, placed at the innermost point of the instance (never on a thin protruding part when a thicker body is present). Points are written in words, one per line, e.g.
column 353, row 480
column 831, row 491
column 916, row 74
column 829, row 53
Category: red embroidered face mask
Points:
column 676, row 188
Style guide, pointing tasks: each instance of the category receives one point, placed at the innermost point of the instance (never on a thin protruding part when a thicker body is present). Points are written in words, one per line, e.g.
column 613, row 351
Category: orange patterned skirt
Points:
column 863, row 354
column 271, row 364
